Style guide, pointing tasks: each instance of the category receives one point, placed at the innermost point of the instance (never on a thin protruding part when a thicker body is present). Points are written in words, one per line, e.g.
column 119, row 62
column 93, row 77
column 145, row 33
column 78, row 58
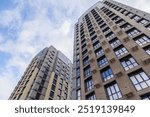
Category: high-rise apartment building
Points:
column 47, row 77
column 112, row 53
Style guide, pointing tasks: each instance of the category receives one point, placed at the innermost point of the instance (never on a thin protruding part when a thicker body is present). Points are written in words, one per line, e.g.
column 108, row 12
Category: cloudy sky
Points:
column 27, row 26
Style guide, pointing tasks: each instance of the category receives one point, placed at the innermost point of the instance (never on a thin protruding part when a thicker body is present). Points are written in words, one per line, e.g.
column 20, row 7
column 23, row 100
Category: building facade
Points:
column 48, row 77
column 112, row 53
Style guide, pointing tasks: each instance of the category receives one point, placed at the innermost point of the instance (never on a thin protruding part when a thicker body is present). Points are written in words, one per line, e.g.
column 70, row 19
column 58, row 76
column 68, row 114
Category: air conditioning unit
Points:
column 96, row 28
column 97, row 85
column 111, row 23
column 105, row 16
column 88, row 39
column 98, row 32
column 115, row 27
column 103, row 42
column 107, row 50
column 107, row 19
column 126, row 39
column 90, row 51
column 128, row 95
column 94, row 24
column 118, row 74
column 120, row 33
column 101, row 36
column 112, row 60
column 134, row 48
column 146, row 60
column 88, row 44
column 94, row 70
column 91, row 59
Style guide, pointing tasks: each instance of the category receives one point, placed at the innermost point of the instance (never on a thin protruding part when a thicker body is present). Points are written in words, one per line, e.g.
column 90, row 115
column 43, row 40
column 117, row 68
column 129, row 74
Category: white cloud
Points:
column 49, row 22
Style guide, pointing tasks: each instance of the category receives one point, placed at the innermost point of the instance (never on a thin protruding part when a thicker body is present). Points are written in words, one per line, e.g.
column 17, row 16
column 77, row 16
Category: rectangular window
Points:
column 91, row 96
column 120, row 22
column 147, row 50
column 130, row 15
column 126, row 26
column 99, row 52
column 52, row 94
column 141, row 40
column 78, row 72
column 136, row 18
column 53, row 87
column 115, row 43
column 132, row 33
column 97, row 45
column 79, row 94
column 128, row 63
column 78, row 82
column 148, row 27
column 89, row 84
column 59, row 92
column 120, row 51
column 102, row 61
column 78, row 64
column 86, row 61
column 143, row 21
column 87, row 71
column 111, row 36
column 140, row 80
column 145, row 96
column 113, row 91
column 107, row 74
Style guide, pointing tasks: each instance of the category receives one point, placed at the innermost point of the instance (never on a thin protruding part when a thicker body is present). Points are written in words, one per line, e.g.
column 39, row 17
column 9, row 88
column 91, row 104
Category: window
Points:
column 132, row 33
column 87, row 71
column 78, row 72
column 125, row 26
column 128, row 63
column 52, row 94
column 102, row 61
column 37, row 96
column 89, row 84
column 78, row 56
column 115, row 43
column 120, row 22
column 86, row 61
column 120, row 51
column 54, row 81
column 107, row 74
column 78, row 64
column 143, row 21
column 53, row 87
column 147, row 49
column 130, row 15
column 111, row 36
column 59, row 92
column 91, row 96
column 113, row 91
column 136, row 18
column 78, row 82
column 99, row 52
column 145, row 96
column 84, row 53
column 140, row 80
column 148, row 27
column 79, row 94
column 141, row 40
column 97, row 45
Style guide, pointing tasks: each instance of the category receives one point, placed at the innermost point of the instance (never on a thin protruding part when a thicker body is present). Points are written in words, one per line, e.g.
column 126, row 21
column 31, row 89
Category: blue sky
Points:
column 27, row 26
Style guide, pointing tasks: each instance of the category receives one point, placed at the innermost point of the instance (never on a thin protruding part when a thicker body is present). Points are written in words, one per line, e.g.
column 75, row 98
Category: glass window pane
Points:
column 143, row 85
column 138, row 87
column 138, row 77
